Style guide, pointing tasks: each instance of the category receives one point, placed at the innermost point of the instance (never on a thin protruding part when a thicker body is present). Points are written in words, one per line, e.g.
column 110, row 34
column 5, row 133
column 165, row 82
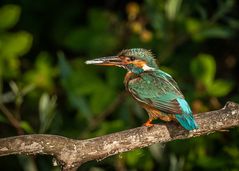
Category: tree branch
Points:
column 72, row 153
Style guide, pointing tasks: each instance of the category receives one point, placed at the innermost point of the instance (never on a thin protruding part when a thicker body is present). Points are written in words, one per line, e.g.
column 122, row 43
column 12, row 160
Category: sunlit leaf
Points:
column 43, row 107
column 133, row 157
column 8, row 97
column 27, row 89
column 139, row 158
column 203, row 68
column 233, row 151
column 41, row 76
column 14, row 87
column 12, row 65
column 9, row 15
column 12, row 46
column 15, row 44
column 26, row 127
column 27, row 163
column 193, row 26
column 47, row 112
column 172, row 8
column 220, row 88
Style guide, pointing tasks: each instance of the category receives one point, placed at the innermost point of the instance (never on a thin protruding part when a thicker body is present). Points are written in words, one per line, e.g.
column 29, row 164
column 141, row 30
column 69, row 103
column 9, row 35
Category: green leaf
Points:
column 81, row 105
column 213, row 32
column 172, row 8
column 26, row 127
column 27, row 163
column 193, row 26
column 224, row 7
column 233, row 151
column 133, row 157
column 139, row 158
column 11, row 65
column 9, row 16
column 203, row 68
column 15, row 44
column 220, row 88
column 43, row 73
column 65, row 68
column 47, row 107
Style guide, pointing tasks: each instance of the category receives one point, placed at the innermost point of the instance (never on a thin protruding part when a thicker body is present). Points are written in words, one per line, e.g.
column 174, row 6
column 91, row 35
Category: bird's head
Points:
column 136, row 60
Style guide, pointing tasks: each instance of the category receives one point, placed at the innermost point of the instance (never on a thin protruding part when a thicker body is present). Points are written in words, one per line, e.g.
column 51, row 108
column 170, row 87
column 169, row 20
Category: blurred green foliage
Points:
column 47, row 88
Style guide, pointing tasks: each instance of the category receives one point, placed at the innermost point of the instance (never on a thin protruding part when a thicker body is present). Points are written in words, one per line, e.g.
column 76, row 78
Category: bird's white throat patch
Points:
column 147, row 68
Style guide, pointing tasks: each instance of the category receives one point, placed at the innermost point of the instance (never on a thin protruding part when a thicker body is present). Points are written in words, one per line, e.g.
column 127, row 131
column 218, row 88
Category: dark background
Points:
column 47, row 88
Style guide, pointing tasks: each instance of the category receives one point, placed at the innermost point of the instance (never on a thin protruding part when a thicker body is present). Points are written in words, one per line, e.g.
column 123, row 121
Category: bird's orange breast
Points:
column 155, row 113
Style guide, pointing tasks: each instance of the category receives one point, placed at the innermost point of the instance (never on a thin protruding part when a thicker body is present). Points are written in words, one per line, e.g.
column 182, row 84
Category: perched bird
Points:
column 155, row 90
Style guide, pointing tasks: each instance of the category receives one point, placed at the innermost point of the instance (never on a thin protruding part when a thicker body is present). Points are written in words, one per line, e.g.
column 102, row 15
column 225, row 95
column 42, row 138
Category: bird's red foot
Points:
column 148, row 123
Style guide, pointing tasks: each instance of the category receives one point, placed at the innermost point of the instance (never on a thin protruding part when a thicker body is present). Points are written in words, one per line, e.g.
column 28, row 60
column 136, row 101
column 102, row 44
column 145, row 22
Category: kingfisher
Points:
column 155, row 90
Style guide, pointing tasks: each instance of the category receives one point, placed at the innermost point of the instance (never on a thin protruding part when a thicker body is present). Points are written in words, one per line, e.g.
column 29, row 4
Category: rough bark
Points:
column 72, row 153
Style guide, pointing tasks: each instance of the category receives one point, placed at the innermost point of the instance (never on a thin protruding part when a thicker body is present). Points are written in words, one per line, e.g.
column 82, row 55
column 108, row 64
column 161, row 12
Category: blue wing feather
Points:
column 156, row 90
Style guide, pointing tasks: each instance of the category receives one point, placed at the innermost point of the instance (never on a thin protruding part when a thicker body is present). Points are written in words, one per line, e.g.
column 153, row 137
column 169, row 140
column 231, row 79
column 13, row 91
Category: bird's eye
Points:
column 132, row 58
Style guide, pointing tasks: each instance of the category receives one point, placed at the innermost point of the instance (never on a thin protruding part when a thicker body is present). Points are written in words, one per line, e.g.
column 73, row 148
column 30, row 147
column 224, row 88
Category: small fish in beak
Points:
column 109, row 61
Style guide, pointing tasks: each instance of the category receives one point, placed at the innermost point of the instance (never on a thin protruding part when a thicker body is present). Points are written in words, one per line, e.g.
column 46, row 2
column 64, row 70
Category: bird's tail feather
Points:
column 186, row 119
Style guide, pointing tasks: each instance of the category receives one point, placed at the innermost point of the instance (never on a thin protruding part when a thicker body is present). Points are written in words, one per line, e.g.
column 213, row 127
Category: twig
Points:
column 72, row 153
column 14, row 122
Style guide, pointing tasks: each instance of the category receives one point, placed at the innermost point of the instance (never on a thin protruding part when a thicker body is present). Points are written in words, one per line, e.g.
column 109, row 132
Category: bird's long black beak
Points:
column 108, row 61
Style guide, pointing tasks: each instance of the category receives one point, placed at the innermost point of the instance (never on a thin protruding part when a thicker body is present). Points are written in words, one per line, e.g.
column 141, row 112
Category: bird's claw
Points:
column 148, row 123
